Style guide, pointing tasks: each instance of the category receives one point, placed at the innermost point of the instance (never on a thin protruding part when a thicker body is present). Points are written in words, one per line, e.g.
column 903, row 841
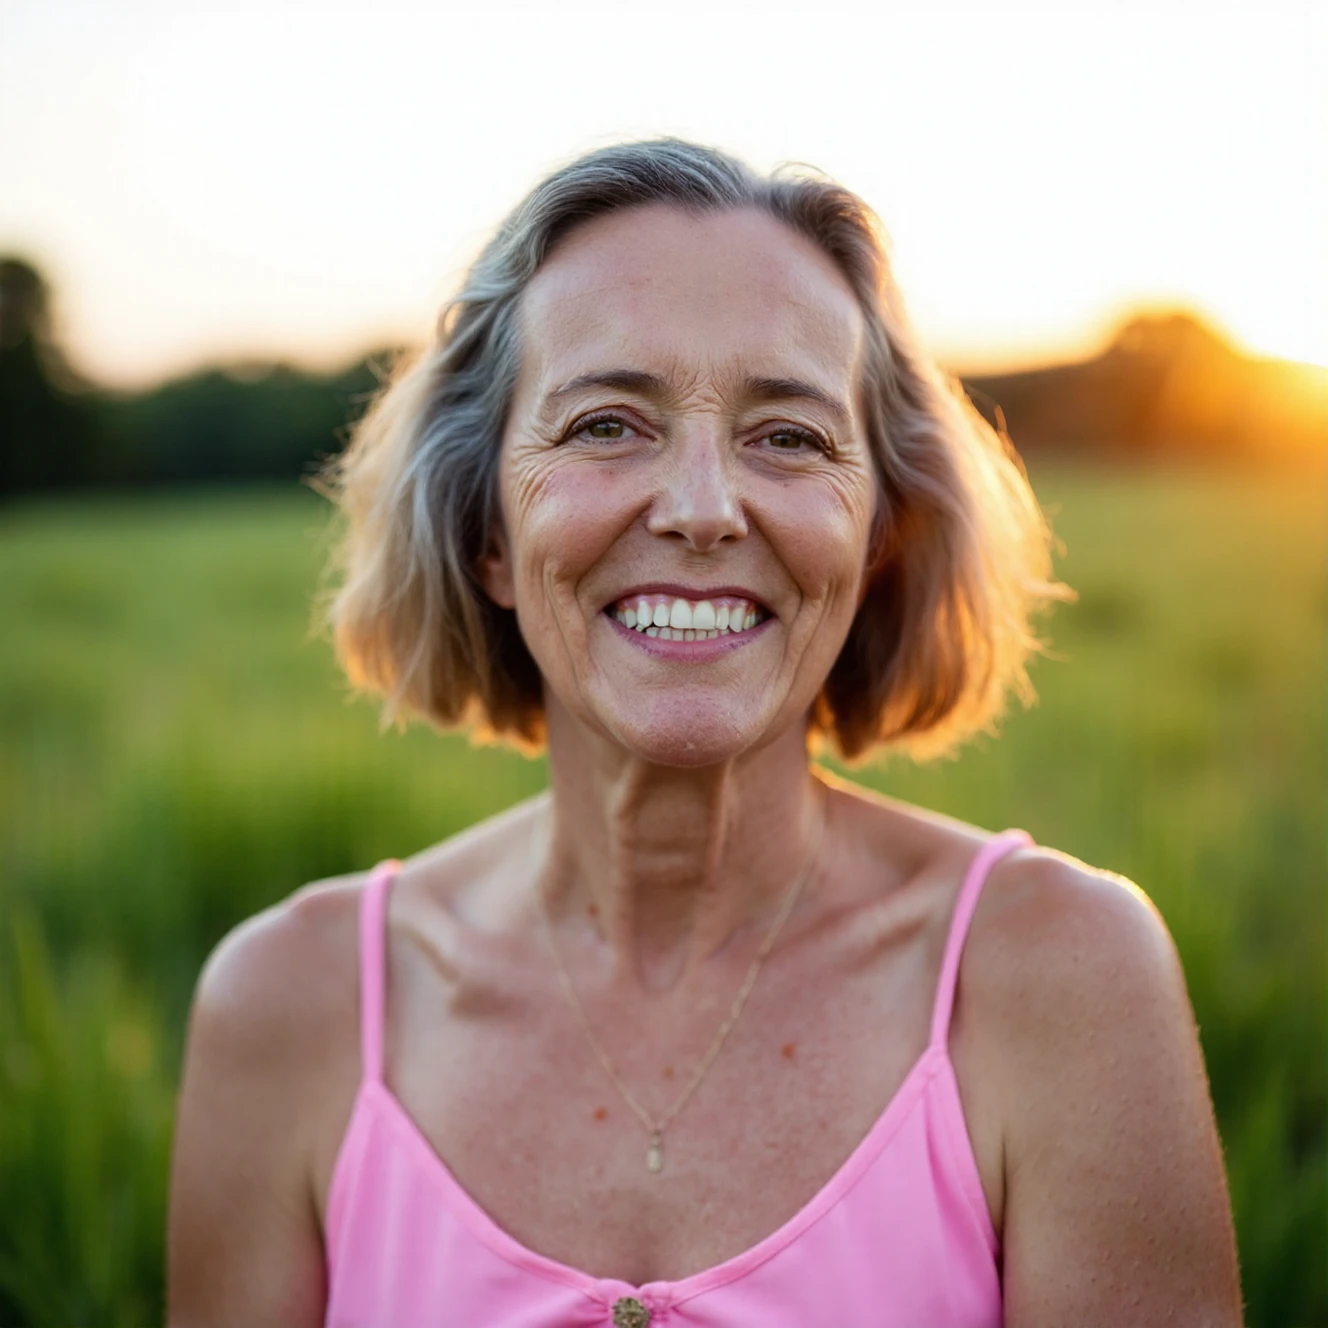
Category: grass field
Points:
column 176, row 751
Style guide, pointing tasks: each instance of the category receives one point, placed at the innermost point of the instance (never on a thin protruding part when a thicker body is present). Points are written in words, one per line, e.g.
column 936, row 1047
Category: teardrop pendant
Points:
column 655, row 1153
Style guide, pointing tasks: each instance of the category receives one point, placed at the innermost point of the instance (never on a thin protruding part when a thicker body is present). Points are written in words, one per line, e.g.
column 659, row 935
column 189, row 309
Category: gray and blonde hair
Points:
column 961, row 552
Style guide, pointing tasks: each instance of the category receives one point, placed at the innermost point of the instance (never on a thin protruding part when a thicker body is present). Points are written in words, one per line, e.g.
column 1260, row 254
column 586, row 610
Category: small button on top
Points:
column 628, row 1312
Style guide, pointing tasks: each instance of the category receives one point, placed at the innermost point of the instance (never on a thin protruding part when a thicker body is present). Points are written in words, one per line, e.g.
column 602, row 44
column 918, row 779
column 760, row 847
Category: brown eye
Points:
column 605, row 430
column 793, row 440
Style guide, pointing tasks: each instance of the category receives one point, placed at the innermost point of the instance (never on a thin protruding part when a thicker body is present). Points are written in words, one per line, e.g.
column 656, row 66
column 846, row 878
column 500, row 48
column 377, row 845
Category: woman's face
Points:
column 687, row 492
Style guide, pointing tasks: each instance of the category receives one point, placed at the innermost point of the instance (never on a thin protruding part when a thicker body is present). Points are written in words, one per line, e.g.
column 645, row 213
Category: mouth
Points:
column 677, row 618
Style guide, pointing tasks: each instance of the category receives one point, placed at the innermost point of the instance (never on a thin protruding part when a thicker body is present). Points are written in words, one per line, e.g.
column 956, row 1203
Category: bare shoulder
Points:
column 275, row 1022
column 271, row 1032
column 282, row 974
column 1043, row 916
column 287, row 974
column 1114, row 1192
column 1049, row 927
column 1070, row 978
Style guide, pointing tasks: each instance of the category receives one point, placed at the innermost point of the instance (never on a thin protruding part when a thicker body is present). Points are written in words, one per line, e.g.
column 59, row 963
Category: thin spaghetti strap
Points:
column 974, row 879
column 373, row 963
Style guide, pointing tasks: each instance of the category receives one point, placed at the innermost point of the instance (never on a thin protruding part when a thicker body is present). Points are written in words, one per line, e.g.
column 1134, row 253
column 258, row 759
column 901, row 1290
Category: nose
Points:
column 698, row 497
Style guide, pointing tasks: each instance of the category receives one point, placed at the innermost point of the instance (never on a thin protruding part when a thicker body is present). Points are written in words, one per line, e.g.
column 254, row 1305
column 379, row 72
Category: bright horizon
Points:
column 304, row 183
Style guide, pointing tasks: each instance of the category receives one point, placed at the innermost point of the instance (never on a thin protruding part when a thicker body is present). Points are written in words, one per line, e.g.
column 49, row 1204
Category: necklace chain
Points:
column 656, row 1126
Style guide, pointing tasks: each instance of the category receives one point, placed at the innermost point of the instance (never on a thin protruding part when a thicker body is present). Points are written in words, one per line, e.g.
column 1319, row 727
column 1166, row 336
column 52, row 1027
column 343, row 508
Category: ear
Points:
column 495, row 571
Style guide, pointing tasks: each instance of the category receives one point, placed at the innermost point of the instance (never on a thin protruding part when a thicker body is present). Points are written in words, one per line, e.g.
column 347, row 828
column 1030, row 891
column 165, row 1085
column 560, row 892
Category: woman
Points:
column 701, row 1036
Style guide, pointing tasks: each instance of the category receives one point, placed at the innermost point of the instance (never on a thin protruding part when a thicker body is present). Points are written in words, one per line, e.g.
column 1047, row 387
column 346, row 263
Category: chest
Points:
column 500, row 1080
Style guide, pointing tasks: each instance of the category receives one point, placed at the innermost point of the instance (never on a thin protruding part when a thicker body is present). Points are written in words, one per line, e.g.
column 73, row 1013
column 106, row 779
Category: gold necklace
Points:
column 656, row 1127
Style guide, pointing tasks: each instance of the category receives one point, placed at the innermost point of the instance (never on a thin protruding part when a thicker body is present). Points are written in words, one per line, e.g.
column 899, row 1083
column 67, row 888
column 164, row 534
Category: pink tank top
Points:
column 899, row 1237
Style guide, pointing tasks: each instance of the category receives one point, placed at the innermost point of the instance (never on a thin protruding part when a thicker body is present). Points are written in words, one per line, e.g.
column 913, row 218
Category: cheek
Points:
column 827, row 531
column 562, row 516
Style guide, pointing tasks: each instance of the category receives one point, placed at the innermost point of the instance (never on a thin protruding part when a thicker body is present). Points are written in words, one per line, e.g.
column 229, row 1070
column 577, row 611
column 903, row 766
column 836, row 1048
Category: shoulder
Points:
column 1055, row 942
column 1060, row 957
column 277, row 983
column 278, row 962
column 290, row 970
column 1039, row 911
column 282, row 972
column 1113, row 1179
column 1070, row 971
column 271, row 1057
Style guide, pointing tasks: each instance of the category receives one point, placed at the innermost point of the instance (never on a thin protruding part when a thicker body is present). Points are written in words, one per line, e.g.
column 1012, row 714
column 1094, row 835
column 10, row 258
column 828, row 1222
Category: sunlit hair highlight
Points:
column 961, row 554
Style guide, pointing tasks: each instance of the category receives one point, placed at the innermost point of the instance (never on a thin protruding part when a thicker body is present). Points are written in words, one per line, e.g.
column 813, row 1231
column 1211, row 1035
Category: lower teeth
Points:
column 683, row 634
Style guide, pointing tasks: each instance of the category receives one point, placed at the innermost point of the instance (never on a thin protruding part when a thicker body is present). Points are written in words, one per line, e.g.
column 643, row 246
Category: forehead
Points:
column 665, row 290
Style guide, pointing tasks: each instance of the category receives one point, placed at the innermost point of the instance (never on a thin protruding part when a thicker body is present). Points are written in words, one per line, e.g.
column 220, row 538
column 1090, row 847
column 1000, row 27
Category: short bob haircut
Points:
column 961, row 552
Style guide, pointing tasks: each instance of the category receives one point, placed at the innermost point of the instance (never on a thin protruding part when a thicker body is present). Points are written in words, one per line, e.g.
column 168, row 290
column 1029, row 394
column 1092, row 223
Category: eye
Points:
column 789, row 439
column 600, row 429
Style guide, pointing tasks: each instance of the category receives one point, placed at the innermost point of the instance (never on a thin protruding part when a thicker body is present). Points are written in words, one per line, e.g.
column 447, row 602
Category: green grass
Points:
column 176, row 751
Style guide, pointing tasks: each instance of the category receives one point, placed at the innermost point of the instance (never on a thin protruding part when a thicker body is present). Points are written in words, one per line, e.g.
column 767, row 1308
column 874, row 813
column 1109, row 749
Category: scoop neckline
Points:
column 468, row 1210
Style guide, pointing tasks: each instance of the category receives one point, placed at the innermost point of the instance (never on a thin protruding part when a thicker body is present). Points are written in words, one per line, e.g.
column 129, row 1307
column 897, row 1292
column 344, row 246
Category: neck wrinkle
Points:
column 664, row 870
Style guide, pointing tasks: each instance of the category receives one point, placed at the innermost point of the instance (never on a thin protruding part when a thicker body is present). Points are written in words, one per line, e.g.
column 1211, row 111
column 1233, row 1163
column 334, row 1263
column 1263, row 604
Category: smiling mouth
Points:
column 671, row 618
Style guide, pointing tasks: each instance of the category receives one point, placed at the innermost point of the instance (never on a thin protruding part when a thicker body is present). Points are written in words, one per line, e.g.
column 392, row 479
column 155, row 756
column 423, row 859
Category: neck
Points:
column 668, row 866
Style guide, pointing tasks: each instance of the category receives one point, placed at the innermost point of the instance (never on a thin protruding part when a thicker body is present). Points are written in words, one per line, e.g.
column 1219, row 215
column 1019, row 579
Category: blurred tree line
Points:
column 1167, row 385
column 59, row 431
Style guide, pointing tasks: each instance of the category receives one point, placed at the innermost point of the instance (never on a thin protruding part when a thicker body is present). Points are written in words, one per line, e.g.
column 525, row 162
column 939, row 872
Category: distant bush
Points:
column 276, row 423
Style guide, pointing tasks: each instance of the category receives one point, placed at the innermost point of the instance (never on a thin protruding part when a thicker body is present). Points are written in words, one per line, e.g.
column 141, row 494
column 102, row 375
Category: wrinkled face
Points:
column 687, row 492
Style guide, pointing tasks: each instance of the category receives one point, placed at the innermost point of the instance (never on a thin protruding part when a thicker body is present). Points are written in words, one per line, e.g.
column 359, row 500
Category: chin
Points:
column 687, row 732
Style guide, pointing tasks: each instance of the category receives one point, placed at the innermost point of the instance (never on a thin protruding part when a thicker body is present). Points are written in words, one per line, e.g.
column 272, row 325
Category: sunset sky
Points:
column 302, row 180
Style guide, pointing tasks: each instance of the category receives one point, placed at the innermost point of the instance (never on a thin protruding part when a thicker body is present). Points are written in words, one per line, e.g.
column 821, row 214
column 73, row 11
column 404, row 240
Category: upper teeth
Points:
column 687, row 620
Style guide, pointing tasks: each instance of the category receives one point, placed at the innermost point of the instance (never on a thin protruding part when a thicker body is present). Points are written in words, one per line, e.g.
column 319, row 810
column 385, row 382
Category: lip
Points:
column 692, row 593
column 689, row 651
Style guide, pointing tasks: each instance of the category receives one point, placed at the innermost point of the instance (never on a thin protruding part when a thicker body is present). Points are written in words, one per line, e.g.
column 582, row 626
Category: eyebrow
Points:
column 652, row 385
column 782, row 389
column 629, row 380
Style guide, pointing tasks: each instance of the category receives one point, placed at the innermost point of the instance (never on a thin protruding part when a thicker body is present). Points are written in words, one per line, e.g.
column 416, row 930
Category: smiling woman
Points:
column 793, row 272
column 674, row 495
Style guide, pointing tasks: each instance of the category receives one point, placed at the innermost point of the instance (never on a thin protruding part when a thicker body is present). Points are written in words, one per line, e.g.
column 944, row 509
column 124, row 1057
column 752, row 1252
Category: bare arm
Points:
column 1116, row 1207
column 244, row 1244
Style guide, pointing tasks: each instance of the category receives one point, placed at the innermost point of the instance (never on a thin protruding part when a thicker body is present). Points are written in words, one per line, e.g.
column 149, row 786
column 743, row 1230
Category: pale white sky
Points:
column 301, row 180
